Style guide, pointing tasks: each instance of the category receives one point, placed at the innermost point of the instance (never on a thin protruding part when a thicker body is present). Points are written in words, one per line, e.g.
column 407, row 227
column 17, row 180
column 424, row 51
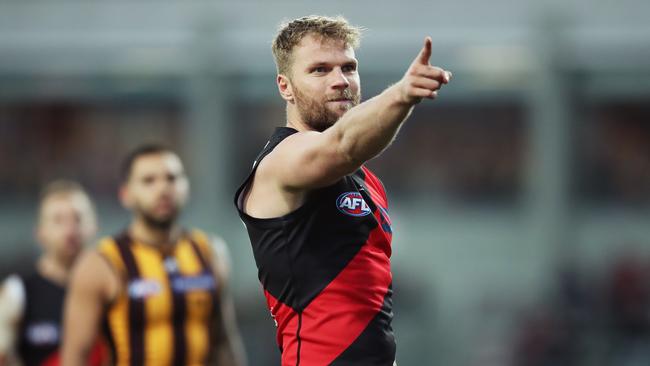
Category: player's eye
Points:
column 351, row 67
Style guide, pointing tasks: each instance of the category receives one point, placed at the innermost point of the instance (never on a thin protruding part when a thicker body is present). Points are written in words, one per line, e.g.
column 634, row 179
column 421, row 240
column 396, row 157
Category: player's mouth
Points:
column 344, row 103
column 73, row 243
column 164, row 206
column 341, row 104
column 340, row 100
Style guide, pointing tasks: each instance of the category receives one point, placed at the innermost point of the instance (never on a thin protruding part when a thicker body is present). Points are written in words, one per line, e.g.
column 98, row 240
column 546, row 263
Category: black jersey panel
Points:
column 40, row 330
column 358, row 352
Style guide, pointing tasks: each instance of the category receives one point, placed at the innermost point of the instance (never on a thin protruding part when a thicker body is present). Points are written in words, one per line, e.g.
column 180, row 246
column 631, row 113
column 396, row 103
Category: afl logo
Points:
column 143, row 288
column 352, row 203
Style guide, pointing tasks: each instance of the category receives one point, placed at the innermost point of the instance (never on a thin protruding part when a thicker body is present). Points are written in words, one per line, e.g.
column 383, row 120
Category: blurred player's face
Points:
column 157, row 189
column 66, row 224
column 324, row 81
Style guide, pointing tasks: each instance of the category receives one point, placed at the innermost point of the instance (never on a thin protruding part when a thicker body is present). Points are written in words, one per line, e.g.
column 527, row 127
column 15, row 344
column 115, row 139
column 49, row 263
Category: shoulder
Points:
column 291, row 147
column 215, row 250
column 108, row 251
column 91, row 265
column 93, row 273
column 212, row 243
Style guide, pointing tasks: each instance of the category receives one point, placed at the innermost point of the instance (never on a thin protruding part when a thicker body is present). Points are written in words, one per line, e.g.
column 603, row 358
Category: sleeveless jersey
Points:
column 40, row 332
column 325, row 271
column 164, row 315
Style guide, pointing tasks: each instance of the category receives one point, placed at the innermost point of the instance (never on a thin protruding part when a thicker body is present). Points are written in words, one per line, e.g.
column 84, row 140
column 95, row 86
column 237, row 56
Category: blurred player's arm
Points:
column 89, row 292
column 227, row 345
column 315, row 159
column 12, row 305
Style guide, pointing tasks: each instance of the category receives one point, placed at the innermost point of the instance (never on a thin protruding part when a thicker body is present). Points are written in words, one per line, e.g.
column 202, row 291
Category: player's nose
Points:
column 339, row 80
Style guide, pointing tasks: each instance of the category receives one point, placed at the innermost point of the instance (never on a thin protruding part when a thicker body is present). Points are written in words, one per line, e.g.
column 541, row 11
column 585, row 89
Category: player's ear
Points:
column 188, row 189
column 284, row 87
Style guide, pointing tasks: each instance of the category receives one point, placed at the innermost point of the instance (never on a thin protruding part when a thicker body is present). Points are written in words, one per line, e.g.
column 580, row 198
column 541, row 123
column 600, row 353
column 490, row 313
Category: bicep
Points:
column 308, row 160
column 85, row 301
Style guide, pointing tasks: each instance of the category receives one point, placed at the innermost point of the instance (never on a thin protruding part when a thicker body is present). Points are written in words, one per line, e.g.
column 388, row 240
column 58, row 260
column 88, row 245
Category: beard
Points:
column 157, row 222
column 316, row 114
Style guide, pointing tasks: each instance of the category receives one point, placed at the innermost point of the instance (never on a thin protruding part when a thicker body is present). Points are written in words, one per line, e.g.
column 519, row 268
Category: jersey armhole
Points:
column 243, row 191
column 203, row 242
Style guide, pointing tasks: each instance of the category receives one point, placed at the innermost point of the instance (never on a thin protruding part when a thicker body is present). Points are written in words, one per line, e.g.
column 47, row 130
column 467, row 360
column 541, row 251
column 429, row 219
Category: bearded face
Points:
column 323, row 82
column 157, row 189
column 321, row 113
column 153, row 218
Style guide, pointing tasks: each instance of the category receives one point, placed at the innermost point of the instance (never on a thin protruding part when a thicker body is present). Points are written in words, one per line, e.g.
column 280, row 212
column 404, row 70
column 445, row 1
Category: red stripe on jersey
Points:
column 341, row 312
column 376, row 188
column 335, row 318
column 286, row 319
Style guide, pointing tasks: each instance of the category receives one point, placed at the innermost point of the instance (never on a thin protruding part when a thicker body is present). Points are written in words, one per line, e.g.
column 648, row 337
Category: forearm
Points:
column 74, row 358
column 78, row 337
column 79, row 333
column 229, row 355
column 367, row 129
column 227, row 343
column 220, row 357
column 84, row 304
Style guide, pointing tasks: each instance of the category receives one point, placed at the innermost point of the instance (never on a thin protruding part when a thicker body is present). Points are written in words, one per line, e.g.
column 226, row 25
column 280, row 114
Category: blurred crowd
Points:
column 595, row 317
column 460, row 155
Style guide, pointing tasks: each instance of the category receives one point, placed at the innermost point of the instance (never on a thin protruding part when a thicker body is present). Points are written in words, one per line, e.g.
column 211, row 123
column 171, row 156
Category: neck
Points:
column 155, row 236
column 54, row 269
column 294, row 120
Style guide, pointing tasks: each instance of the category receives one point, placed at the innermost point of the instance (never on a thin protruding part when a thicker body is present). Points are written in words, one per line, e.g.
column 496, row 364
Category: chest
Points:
column 169, row 286
column 41, row 325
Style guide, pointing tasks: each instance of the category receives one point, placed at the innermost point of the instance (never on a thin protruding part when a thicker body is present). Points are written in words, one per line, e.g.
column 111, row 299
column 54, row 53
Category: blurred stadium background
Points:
column 520, row 198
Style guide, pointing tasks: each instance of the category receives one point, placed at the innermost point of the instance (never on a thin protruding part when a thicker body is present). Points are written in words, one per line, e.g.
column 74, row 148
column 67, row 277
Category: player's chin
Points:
column 162, row 217
column 70, row 252
column 166, row 218
column 337, row 112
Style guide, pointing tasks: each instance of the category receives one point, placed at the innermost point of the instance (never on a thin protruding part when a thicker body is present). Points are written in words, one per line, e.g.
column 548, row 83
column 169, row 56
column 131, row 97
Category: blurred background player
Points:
column 31, row 304
column 159, row 289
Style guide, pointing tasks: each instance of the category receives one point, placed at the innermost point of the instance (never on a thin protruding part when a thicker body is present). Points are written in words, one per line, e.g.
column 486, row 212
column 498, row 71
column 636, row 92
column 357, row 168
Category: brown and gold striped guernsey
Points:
column 164, row 313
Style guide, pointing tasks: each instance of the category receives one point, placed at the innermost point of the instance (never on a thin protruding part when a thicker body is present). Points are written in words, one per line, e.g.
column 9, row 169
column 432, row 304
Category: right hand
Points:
column 421, row 79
